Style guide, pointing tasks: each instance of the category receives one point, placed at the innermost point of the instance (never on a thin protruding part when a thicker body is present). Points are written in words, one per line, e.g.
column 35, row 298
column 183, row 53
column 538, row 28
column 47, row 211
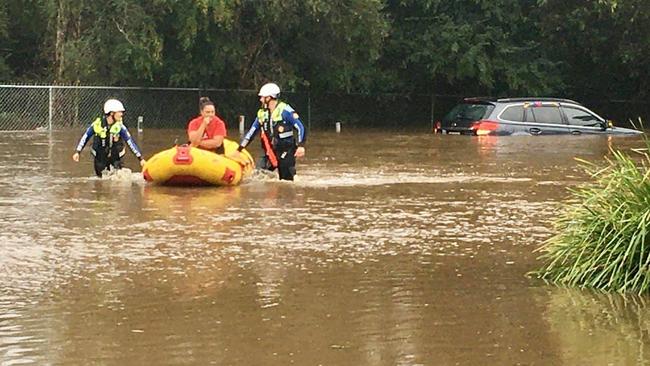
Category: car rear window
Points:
column 469, row 112
column 513, row 113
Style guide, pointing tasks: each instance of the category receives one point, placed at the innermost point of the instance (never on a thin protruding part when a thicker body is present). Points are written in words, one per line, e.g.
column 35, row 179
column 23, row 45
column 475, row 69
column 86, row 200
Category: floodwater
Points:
column 389, row 249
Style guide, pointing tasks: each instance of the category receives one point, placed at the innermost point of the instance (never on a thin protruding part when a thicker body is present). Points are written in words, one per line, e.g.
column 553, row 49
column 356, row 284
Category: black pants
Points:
column 286, row 161
column 108, row 158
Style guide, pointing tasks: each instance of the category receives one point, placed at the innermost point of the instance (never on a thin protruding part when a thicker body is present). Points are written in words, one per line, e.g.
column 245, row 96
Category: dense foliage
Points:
column 603, row 235
column 495, row 47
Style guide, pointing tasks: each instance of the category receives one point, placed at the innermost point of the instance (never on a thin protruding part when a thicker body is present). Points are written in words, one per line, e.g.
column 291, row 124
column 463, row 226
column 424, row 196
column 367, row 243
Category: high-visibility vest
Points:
column 102, row 131
column 268, row 125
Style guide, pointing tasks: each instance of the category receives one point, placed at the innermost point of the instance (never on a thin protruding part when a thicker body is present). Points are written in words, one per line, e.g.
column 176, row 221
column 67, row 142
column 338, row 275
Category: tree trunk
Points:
column 59, row 55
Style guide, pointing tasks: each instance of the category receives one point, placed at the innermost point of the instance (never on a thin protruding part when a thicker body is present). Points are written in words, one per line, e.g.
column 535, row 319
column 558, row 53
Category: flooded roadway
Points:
column 389, row 249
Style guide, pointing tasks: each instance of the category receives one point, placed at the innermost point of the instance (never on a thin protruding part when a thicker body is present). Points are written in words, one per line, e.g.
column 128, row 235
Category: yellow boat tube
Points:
column 189, row 166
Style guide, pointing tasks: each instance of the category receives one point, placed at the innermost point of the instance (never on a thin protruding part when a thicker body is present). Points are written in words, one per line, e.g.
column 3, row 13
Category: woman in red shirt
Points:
column 207, row 131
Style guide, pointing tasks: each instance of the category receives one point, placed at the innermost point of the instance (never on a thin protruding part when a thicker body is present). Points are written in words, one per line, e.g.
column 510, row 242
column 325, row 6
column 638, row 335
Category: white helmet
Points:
column 113, row 105
column 269, row 90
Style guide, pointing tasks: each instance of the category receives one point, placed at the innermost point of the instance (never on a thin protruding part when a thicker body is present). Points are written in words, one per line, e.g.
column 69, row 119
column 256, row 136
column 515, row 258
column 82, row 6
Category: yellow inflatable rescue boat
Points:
column 189, row 166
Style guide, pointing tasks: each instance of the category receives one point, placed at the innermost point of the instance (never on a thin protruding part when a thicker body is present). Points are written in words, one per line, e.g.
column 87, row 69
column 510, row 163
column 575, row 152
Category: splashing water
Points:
column 262, row 175
column 122, row 175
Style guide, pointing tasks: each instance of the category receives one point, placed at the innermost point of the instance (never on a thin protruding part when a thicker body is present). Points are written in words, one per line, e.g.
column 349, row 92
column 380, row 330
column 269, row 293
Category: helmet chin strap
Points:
column 273, row 102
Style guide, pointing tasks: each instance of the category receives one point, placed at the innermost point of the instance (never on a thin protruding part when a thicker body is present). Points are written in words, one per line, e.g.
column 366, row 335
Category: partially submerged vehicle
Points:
column 526, row 116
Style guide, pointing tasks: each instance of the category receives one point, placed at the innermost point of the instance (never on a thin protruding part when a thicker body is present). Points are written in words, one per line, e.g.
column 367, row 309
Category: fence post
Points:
column 309, row 110
column 49, row 113
column 433, row 108
column 242, row 126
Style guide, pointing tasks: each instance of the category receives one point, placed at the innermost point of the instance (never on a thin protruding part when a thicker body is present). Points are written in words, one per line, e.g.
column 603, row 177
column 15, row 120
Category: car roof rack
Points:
column 480, row 99
column 538, row 99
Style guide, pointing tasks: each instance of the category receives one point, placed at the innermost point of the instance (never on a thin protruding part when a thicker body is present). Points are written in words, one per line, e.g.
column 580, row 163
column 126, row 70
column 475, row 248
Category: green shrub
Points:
column 602, row 238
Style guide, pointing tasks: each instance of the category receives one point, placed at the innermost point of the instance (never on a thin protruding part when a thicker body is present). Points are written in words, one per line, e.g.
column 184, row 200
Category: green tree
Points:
column 23, row 29
column 322, row 44
column 603, row 46
column 469, row 46
column 336, row 45
column 112, row 42
column 498, row 47
column 5, row 71
column 198, row 47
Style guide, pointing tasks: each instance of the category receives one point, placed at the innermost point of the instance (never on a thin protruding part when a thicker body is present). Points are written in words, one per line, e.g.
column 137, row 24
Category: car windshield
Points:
column 469, row 111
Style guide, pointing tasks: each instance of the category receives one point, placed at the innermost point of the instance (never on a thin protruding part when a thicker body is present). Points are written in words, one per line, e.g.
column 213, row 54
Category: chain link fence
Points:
column 61, row 107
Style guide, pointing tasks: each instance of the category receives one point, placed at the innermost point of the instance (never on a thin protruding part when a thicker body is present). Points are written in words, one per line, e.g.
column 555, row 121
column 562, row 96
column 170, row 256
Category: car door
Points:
column 583, row 121
column 512, row 121
column 544, row 119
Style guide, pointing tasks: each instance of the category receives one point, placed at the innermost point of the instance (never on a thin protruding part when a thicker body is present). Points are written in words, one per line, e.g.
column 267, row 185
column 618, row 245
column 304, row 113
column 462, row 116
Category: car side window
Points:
column 579, row 117
column 547, row 114
column 513, row 113
column 529, row 117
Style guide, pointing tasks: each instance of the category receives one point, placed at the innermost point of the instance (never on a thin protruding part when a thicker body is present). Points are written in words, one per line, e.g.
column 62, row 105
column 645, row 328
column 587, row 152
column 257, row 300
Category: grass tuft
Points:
column 603, row 234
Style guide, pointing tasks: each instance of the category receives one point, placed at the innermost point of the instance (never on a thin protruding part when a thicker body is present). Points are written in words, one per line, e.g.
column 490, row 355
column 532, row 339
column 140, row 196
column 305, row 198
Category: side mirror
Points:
column 610, row 124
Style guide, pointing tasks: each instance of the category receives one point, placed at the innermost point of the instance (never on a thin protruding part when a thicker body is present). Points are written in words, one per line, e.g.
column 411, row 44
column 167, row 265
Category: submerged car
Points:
column 525, row 116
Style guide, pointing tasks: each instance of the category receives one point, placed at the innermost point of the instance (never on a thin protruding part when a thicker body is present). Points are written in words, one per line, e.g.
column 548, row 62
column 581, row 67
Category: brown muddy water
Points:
column 389, row 249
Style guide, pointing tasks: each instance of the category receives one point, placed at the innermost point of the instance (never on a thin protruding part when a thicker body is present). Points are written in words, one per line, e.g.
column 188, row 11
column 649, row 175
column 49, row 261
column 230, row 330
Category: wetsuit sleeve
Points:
column 124, row 132
column 249, row 135
column 84, row 139
column 292, row 117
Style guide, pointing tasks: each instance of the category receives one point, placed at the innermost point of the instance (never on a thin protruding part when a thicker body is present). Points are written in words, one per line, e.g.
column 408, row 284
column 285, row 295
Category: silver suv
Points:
column 525, row 116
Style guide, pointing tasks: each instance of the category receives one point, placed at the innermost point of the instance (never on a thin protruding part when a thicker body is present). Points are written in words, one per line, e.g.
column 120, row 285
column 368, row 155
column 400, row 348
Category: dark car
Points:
column 525, row 116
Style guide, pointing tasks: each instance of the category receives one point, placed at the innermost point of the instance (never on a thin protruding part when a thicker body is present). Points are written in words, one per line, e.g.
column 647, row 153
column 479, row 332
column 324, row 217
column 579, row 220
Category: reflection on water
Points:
column 389, row 249
column 583, row 321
